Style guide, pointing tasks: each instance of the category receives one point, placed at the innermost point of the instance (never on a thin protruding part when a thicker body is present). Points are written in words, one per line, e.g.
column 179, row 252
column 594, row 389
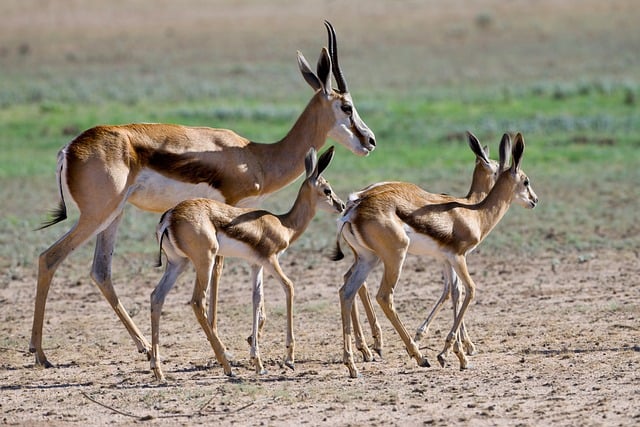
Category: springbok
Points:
column 484, row 177
column 198, row 230
column 398, row 218
column 155, row 166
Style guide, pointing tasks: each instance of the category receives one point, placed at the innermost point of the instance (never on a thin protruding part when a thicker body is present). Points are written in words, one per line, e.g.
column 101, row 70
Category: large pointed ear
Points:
column 324, row 70
column 308, row 75
column 477, row 149
column 517, row 152
column 310, row 162
column 325, row 159
column 505, row 148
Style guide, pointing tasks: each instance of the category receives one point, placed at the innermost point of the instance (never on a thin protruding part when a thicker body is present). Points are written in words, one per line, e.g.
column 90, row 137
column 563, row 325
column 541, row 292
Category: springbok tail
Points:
column 58, row 214
column 337, row 253
column 161, row 232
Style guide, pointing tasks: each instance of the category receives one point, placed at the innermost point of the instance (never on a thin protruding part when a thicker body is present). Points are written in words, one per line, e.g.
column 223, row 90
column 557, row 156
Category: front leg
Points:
column 287, row 285
column 467, row 344
column 258, row 308
column 376, row 330
column 423, row 329
column 361, row 344
column 459, row 264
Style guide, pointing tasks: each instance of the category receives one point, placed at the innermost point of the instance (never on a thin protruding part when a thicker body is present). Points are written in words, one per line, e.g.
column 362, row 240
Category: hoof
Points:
column 367, row 356
column 441, row 361
column 424, row 363
column 289, row 364
column 353, row 372
column 44, row 363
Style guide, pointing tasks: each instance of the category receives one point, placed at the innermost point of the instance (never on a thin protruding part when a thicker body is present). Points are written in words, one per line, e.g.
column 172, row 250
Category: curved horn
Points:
column 333, row 51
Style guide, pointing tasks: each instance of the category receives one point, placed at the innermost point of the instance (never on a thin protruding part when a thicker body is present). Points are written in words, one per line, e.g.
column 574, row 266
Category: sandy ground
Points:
column 558, row 339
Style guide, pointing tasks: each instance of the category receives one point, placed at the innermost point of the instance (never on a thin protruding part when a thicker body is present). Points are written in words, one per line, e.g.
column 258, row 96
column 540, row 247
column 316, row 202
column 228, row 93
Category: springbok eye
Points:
column 526, row 182
column 327, row 192
column 347, row 109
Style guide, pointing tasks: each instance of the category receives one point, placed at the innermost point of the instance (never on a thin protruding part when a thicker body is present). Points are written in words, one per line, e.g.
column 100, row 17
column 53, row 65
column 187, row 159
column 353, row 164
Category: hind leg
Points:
column 101, row 275
column 48, row 263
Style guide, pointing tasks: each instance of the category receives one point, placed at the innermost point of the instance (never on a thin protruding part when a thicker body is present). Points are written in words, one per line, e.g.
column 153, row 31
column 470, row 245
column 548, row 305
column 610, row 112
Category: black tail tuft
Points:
column 159, row 262
column 337, row 254
column 57, row 215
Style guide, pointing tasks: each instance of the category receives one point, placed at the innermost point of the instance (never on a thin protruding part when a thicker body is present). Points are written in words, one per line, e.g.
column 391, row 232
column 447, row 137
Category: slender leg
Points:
column 48, row 263
column 384, row 297
column 359, row 272
column 287, row 285
column 376, row 330
column 361, row 344
column 101, row 275
column 218, row 266
column 459, row 265
column 258, row 308
column 468, row 346
column 174, row 269
column 446, row 292
column 204, row 268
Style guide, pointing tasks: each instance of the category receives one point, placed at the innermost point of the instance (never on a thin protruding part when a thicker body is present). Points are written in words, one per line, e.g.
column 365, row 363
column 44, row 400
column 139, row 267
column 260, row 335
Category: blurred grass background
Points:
column 565, row 74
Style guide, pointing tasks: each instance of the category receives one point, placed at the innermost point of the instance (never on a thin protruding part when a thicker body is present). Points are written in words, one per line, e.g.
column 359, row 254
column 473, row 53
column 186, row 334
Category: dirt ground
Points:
column 558, row 339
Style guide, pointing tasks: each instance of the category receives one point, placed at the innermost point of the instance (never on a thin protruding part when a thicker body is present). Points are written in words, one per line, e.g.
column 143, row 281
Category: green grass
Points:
column 581, row 156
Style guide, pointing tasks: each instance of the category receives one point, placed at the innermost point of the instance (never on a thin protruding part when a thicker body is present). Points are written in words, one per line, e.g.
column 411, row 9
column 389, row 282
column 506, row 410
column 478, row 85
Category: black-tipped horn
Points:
column 333, row 51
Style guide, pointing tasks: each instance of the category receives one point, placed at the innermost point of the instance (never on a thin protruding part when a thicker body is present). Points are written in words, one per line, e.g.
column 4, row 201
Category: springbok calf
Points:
column 155, row 166
column 400, row 218
column 198, row 230
column 484, row 175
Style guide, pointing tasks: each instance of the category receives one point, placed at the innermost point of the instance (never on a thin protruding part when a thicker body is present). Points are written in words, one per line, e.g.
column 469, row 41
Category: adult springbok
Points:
column 398, row 218
column 198, row 230
column 155, row 166
column 484, row 176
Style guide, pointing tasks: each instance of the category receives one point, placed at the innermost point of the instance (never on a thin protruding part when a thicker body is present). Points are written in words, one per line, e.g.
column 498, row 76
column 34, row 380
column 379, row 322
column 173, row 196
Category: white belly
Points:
column 421, row 244
column 233, row 248
column 157, row 193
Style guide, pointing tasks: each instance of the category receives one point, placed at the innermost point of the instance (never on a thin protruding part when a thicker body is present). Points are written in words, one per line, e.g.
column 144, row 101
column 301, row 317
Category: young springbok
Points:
column 484, row 175
column 400, row 218
column 198, row 230
column 155, row 166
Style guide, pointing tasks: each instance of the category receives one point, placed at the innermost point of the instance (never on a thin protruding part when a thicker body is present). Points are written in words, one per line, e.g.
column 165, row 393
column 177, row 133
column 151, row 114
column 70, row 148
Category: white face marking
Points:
column 341, row 131
column 157, row 193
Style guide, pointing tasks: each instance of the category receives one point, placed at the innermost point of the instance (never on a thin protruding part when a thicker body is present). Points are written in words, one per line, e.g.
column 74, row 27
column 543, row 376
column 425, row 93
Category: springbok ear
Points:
column 308, row 75
column 324, row 70
column 517, row 152
column 310, row 162
column 477, row 149
column 505, row 148
column 325, row 159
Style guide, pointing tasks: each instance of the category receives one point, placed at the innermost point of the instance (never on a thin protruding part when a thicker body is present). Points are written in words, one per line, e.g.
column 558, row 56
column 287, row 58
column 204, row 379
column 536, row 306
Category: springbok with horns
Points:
column 198, row 230
column 155, row 166
column 400, row 218
column 484, row 176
